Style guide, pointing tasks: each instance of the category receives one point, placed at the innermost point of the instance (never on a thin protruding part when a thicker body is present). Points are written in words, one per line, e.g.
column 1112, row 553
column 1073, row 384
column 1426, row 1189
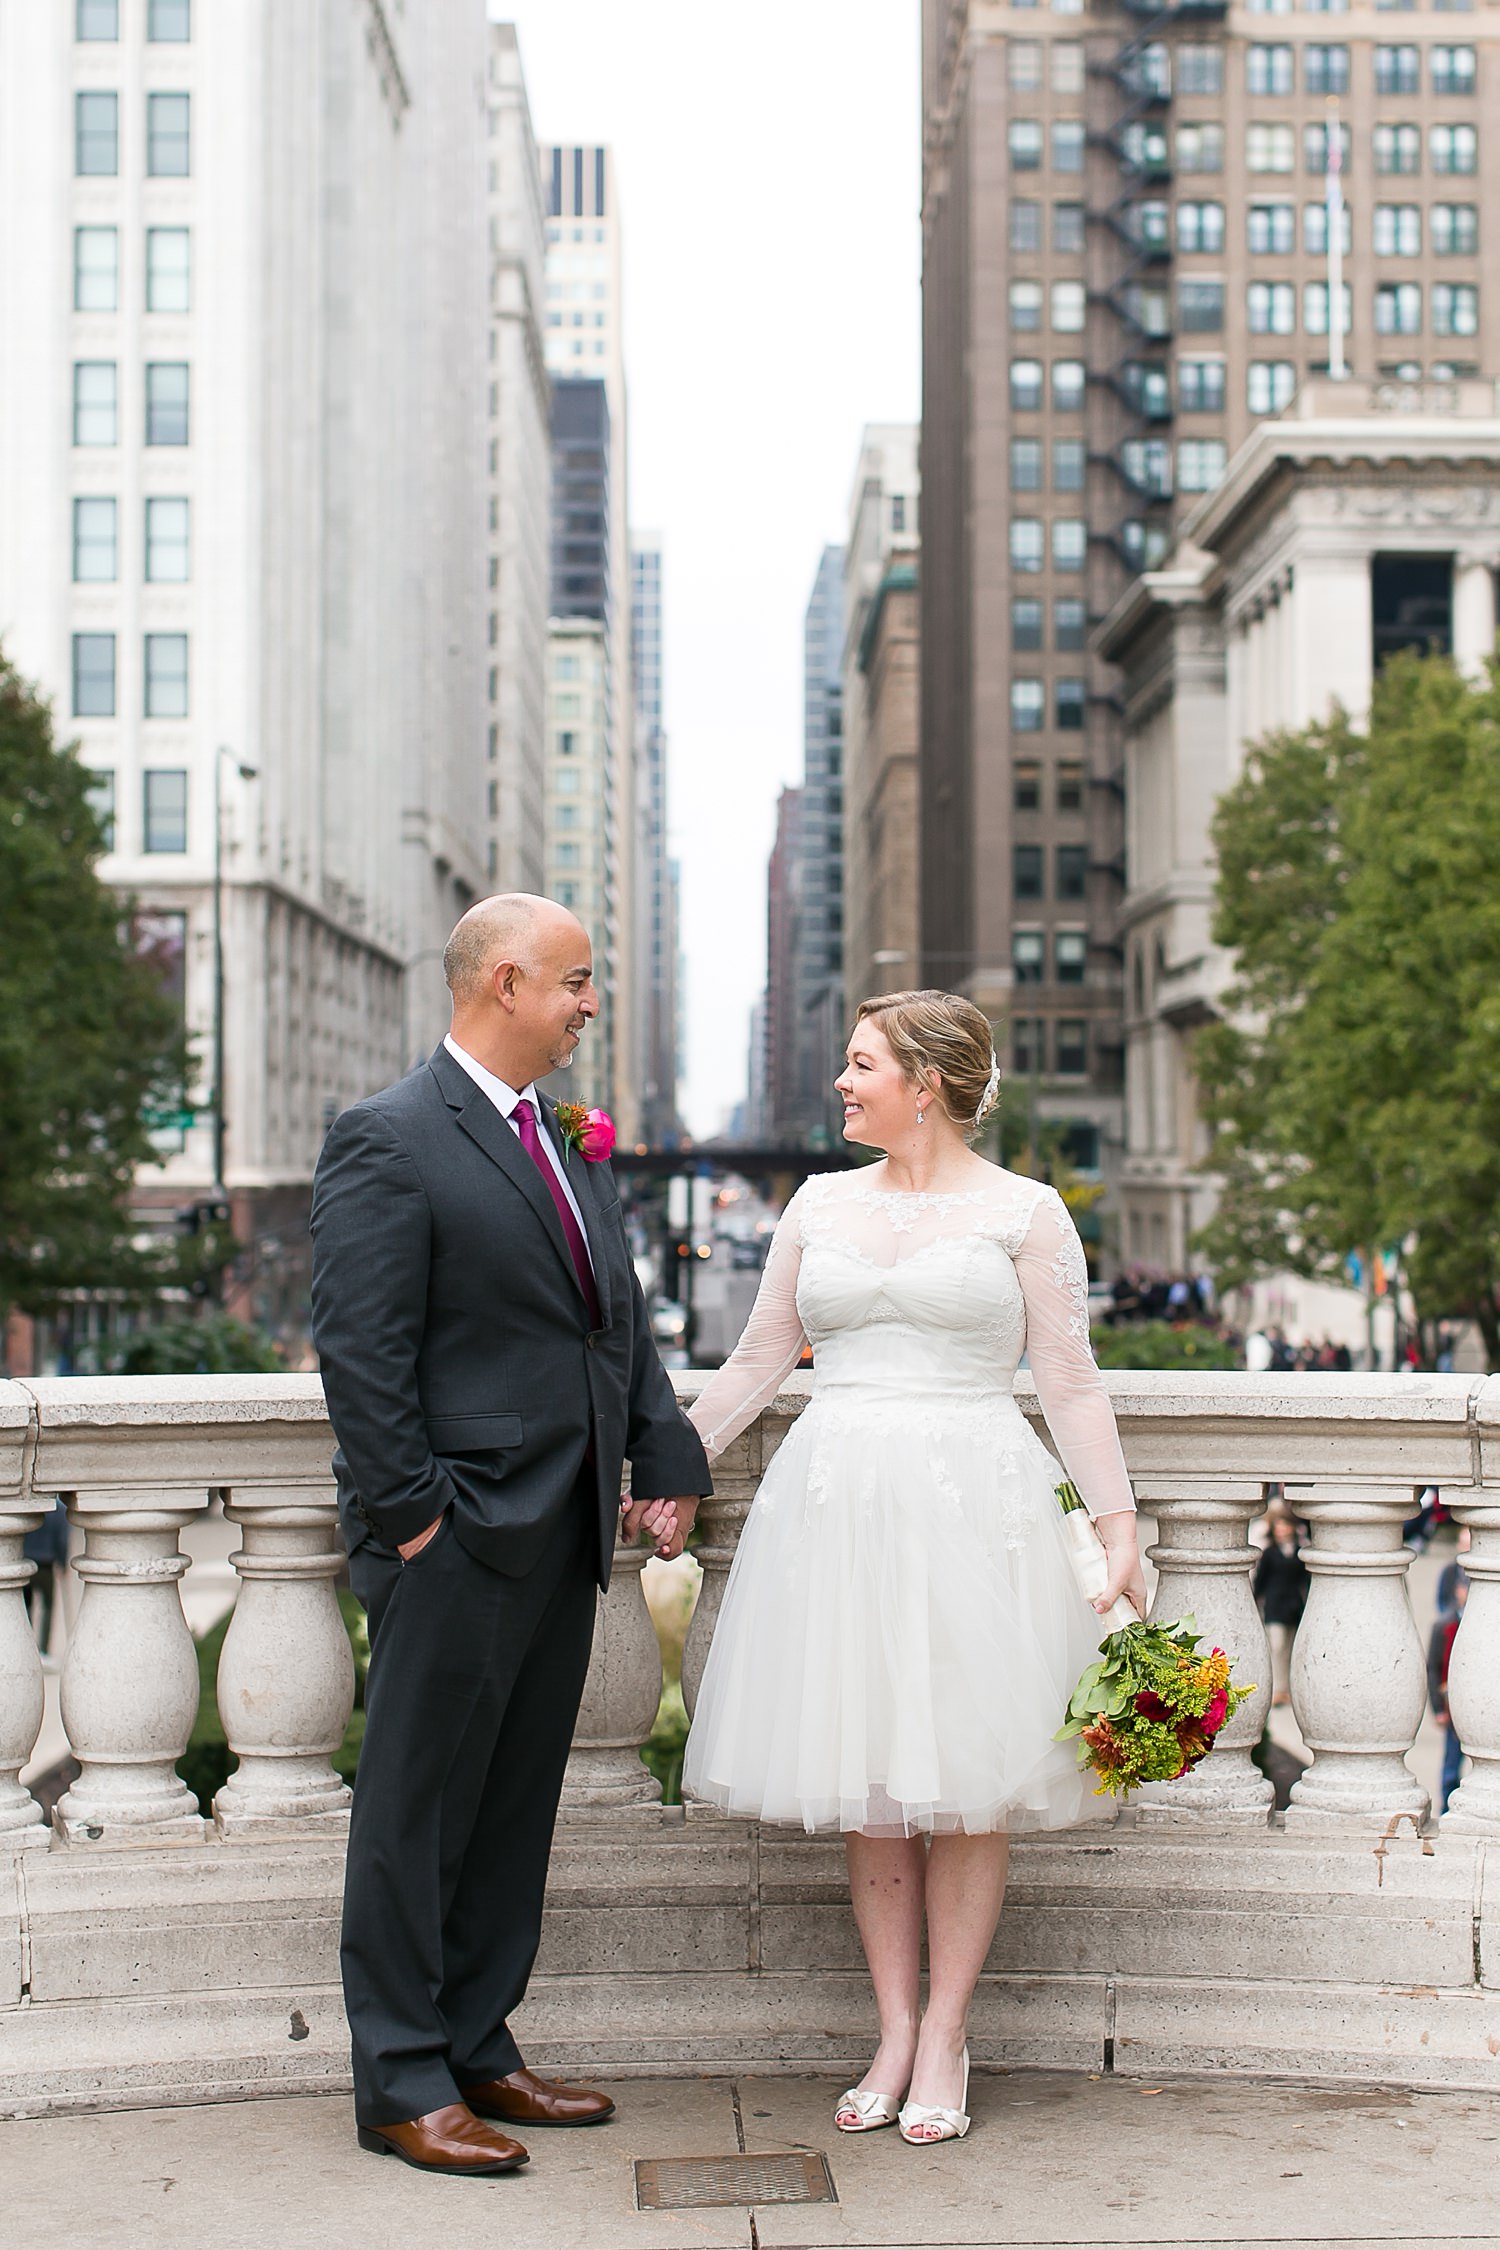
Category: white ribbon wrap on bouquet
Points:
column 1091, row 1569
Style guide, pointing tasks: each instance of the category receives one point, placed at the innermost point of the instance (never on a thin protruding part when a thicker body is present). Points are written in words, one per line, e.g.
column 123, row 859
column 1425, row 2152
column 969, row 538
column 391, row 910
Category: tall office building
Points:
column 1126, row 265
column 584, row 341
column 242, row 264
column 519, row 465
column 819, row 1029
column 783, row 1106
column 656, row 885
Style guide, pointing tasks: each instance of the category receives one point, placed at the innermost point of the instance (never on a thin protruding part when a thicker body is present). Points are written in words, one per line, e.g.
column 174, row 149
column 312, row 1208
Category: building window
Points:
column 1200, row 464
column 1270, row 385
column 1025, row 307
column 1315, row 229
column 1024, row 65
column 1069, row 464
column 1269, row 70
column 167, row 556
column 95, row 402
column 1398, row 308
column 1070, row 539
column 93, row 675
column 165, row 809
column 1398, row 70
column 1028, row 956
column 1070, row 624
column 1067, row 144
column 1147, row 462
column 1455, row 309
column 1315, row 308
column 1200, row 227
column 169, row 287
column 1453, row 70
column 1455, row 148
column 568, row 855
column 1150, row 223
column 1315, row 149
column 1069, row 306
column 1326, row 7
column 167, row 402
column 1072, row 870
column 96, row 269
column 1270, row 148
column 1072, row 1035
column 1070, row 705
column 96, row 136
column 1068, row 379
column 1271, row 308
column 1067, row 66
column 101, row 793
column 1024, row 139
column 1398, row 149
column 1028, row 706
column 1070, row 954
column 1025, row 464
column 1067, row 229
column 1026, row 785
column 1025, row 385
column 1325, row 70
column 1027, row 543
column 1070, row 784
column 1200, row 307
column 1026, row 864
column 170, row 22
column 1025, row 625
column 166, row 676
column 1272, row 229
column 1144, row 148
column 1398, row 230
column 1454, row 229
column 1028, row 1044
column 168, row 155
column 1025, row 225
column 1200, row 386
column 1200, row 70
column 1200, row 148
column 94, row 543
column 97, row 19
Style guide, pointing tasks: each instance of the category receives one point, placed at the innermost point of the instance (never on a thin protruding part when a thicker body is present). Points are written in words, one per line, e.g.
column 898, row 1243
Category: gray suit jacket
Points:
column 457, row 1360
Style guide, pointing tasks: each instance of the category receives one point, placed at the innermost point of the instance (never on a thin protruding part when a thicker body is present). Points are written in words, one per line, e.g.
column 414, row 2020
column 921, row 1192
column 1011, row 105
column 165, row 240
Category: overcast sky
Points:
column 768, row 161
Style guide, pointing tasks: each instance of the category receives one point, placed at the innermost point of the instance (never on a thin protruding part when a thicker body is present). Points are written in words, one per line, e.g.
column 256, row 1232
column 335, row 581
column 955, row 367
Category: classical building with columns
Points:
column 1364, row 520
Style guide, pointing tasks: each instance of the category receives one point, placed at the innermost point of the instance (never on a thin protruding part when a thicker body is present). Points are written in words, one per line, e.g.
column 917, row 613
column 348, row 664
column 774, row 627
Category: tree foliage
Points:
column 215, row 1344
column 88, row 1039
column 1355, row 1090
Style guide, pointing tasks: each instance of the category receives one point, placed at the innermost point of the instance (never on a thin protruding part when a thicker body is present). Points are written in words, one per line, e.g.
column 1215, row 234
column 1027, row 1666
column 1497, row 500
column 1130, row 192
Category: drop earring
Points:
column 921, row 1114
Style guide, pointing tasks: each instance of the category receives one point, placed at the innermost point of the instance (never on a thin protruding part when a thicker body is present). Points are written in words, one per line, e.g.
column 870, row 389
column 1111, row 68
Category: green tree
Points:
column 1355, row 1092
column 212, row 1345
column 88, row 1038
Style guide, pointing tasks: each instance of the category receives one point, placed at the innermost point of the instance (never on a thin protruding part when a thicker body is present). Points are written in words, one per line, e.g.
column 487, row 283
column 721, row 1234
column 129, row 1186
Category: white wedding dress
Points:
column 902, row 1629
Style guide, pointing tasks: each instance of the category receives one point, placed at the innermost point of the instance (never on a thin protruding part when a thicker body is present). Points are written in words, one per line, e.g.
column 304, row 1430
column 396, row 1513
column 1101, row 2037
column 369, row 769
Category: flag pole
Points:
column 1334, row 205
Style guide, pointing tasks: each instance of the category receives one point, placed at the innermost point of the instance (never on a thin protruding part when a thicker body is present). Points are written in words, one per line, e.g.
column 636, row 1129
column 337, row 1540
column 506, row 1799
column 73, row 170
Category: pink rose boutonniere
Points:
column 590, row 1131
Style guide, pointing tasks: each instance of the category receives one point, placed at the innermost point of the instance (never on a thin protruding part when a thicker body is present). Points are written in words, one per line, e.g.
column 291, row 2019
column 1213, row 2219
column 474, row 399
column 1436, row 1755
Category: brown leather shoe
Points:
column 525, row 2099
column 446, row 2140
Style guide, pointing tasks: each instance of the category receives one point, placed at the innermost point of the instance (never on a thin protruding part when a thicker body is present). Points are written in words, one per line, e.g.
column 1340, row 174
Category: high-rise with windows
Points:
column 818, row 1027
column 1126, row 265
column 657, row 876
column 243, row 269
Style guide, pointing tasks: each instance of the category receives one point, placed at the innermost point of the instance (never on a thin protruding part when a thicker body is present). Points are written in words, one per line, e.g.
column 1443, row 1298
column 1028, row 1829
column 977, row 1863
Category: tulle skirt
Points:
column 901, row 1630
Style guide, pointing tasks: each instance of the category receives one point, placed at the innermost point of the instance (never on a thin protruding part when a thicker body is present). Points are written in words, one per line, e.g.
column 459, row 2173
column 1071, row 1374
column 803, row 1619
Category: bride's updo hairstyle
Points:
column 941, row 1032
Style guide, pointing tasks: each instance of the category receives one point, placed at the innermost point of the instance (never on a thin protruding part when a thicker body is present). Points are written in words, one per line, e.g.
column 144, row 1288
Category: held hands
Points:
column 667, row 1521
column 1117, row 1535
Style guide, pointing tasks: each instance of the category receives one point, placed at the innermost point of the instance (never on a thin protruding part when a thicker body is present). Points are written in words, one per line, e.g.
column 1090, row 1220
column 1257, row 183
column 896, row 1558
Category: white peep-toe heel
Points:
column 952, row 2124
column 872, row 2109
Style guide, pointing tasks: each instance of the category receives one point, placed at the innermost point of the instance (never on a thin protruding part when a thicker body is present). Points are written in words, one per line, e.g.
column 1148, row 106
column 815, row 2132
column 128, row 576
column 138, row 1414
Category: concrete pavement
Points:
column 1052, row 2161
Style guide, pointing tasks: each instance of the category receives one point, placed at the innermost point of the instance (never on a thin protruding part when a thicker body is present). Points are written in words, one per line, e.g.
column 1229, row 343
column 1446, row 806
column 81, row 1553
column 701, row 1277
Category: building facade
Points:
column 1364, row 520
column 657, row 880
column 783, row 1106
column 882, row 812
column 242, row 260
column 818, row 1031
column 519, row 465
column 1126, row 266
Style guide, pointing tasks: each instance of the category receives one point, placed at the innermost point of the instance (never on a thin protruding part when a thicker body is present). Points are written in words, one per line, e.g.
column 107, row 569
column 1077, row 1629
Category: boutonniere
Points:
column 590, row 1131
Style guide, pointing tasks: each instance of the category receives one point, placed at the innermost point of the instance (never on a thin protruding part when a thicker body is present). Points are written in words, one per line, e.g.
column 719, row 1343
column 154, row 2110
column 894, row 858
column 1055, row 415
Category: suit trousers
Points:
column 474, row 1685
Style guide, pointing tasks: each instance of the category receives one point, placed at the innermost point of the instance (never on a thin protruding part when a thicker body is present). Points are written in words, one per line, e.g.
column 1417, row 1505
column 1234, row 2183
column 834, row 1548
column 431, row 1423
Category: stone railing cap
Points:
column 70, row 1402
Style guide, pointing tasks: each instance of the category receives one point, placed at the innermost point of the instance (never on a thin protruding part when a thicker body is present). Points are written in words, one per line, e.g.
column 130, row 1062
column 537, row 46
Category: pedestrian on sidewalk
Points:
column 1439, row 1657
column 1281, row 1586
column 47, row 1547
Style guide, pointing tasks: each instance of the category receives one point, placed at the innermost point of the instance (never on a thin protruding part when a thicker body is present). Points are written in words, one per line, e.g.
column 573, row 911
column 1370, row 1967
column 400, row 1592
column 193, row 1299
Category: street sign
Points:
column 169, row 1120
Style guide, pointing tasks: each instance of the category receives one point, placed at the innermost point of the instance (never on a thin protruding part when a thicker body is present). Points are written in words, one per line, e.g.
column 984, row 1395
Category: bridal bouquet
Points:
column 1151, row 1707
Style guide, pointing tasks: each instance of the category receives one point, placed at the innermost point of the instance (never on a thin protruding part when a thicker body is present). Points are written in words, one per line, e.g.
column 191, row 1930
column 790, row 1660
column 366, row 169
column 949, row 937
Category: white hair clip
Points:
column 992, row 1088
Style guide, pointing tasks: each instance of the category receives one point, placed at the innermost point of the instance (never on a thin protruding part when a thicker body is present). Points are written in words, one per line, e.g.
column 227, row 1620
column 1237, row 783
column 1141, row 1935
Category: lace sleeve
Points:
column 1055, row 1283
column 768, row 1350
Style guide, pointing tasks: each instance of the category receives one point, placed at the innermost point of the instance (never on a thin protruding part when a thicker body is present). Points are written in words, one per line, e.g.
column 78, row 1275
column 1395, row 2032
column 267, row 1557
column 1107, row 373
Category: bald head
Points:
column 512, row 926
column 521, row 972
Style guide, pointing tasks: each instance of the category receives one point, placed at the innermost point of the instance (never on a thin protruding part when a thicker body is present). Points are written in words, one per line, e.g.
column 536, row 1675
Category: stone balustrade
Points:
column 135, row 1461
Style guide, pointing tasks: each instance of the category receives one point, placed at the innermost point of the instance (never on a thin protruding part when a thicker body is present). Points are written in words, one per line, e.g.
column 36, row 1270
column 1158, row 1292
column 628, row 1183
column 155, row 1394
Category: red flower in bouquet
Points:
column 590, row 1131
column 1151, row 1706
column 1217, row 1713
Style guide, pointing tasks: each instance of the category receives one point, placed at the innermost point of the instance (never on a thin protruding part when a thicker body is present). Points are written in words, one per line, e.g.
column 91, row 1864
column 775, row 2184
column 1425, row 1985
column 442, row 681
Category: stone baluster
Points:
column 130, row 1675
column 1359, row 1674
column 1204, row 1560
column 737, row 1475
column 22, row 1690
column 286, row 1672
column 621, row 1697
column 1474, row 1672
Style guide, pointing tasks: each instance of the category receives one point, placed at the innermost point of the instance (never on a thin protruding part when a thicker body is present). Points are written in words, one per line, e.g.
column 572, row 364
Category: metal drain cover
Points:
column 682, row 2183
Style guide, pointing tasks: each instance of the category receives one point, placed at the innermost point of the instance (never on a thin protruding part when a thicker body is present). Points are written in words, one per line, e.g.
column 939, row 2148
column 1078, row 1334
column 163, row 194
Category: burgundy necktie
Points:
column 524, row 1118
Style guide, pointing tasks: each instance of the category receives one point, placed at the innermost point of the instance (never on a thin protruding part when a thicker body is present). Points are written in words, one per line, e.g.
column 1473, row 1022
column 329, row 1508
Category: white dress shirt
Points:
column 506, row 1099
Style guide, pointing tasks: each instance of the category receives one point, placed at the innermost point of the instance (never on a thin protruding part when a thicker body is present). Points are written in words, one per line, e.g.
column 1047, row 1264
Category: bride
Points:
column 901, row 1629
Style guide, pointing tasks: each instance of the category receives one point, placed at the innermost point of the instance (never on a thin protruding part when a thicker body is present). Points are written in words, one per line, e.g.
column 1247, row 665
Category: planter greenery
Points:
column 1156, row 1343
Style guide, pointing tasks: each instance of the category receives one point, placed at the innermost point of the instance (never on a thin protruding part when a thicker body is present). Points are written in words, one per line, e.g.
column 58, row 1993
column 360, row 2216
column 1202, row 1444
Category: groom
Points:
column 488, row 1364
